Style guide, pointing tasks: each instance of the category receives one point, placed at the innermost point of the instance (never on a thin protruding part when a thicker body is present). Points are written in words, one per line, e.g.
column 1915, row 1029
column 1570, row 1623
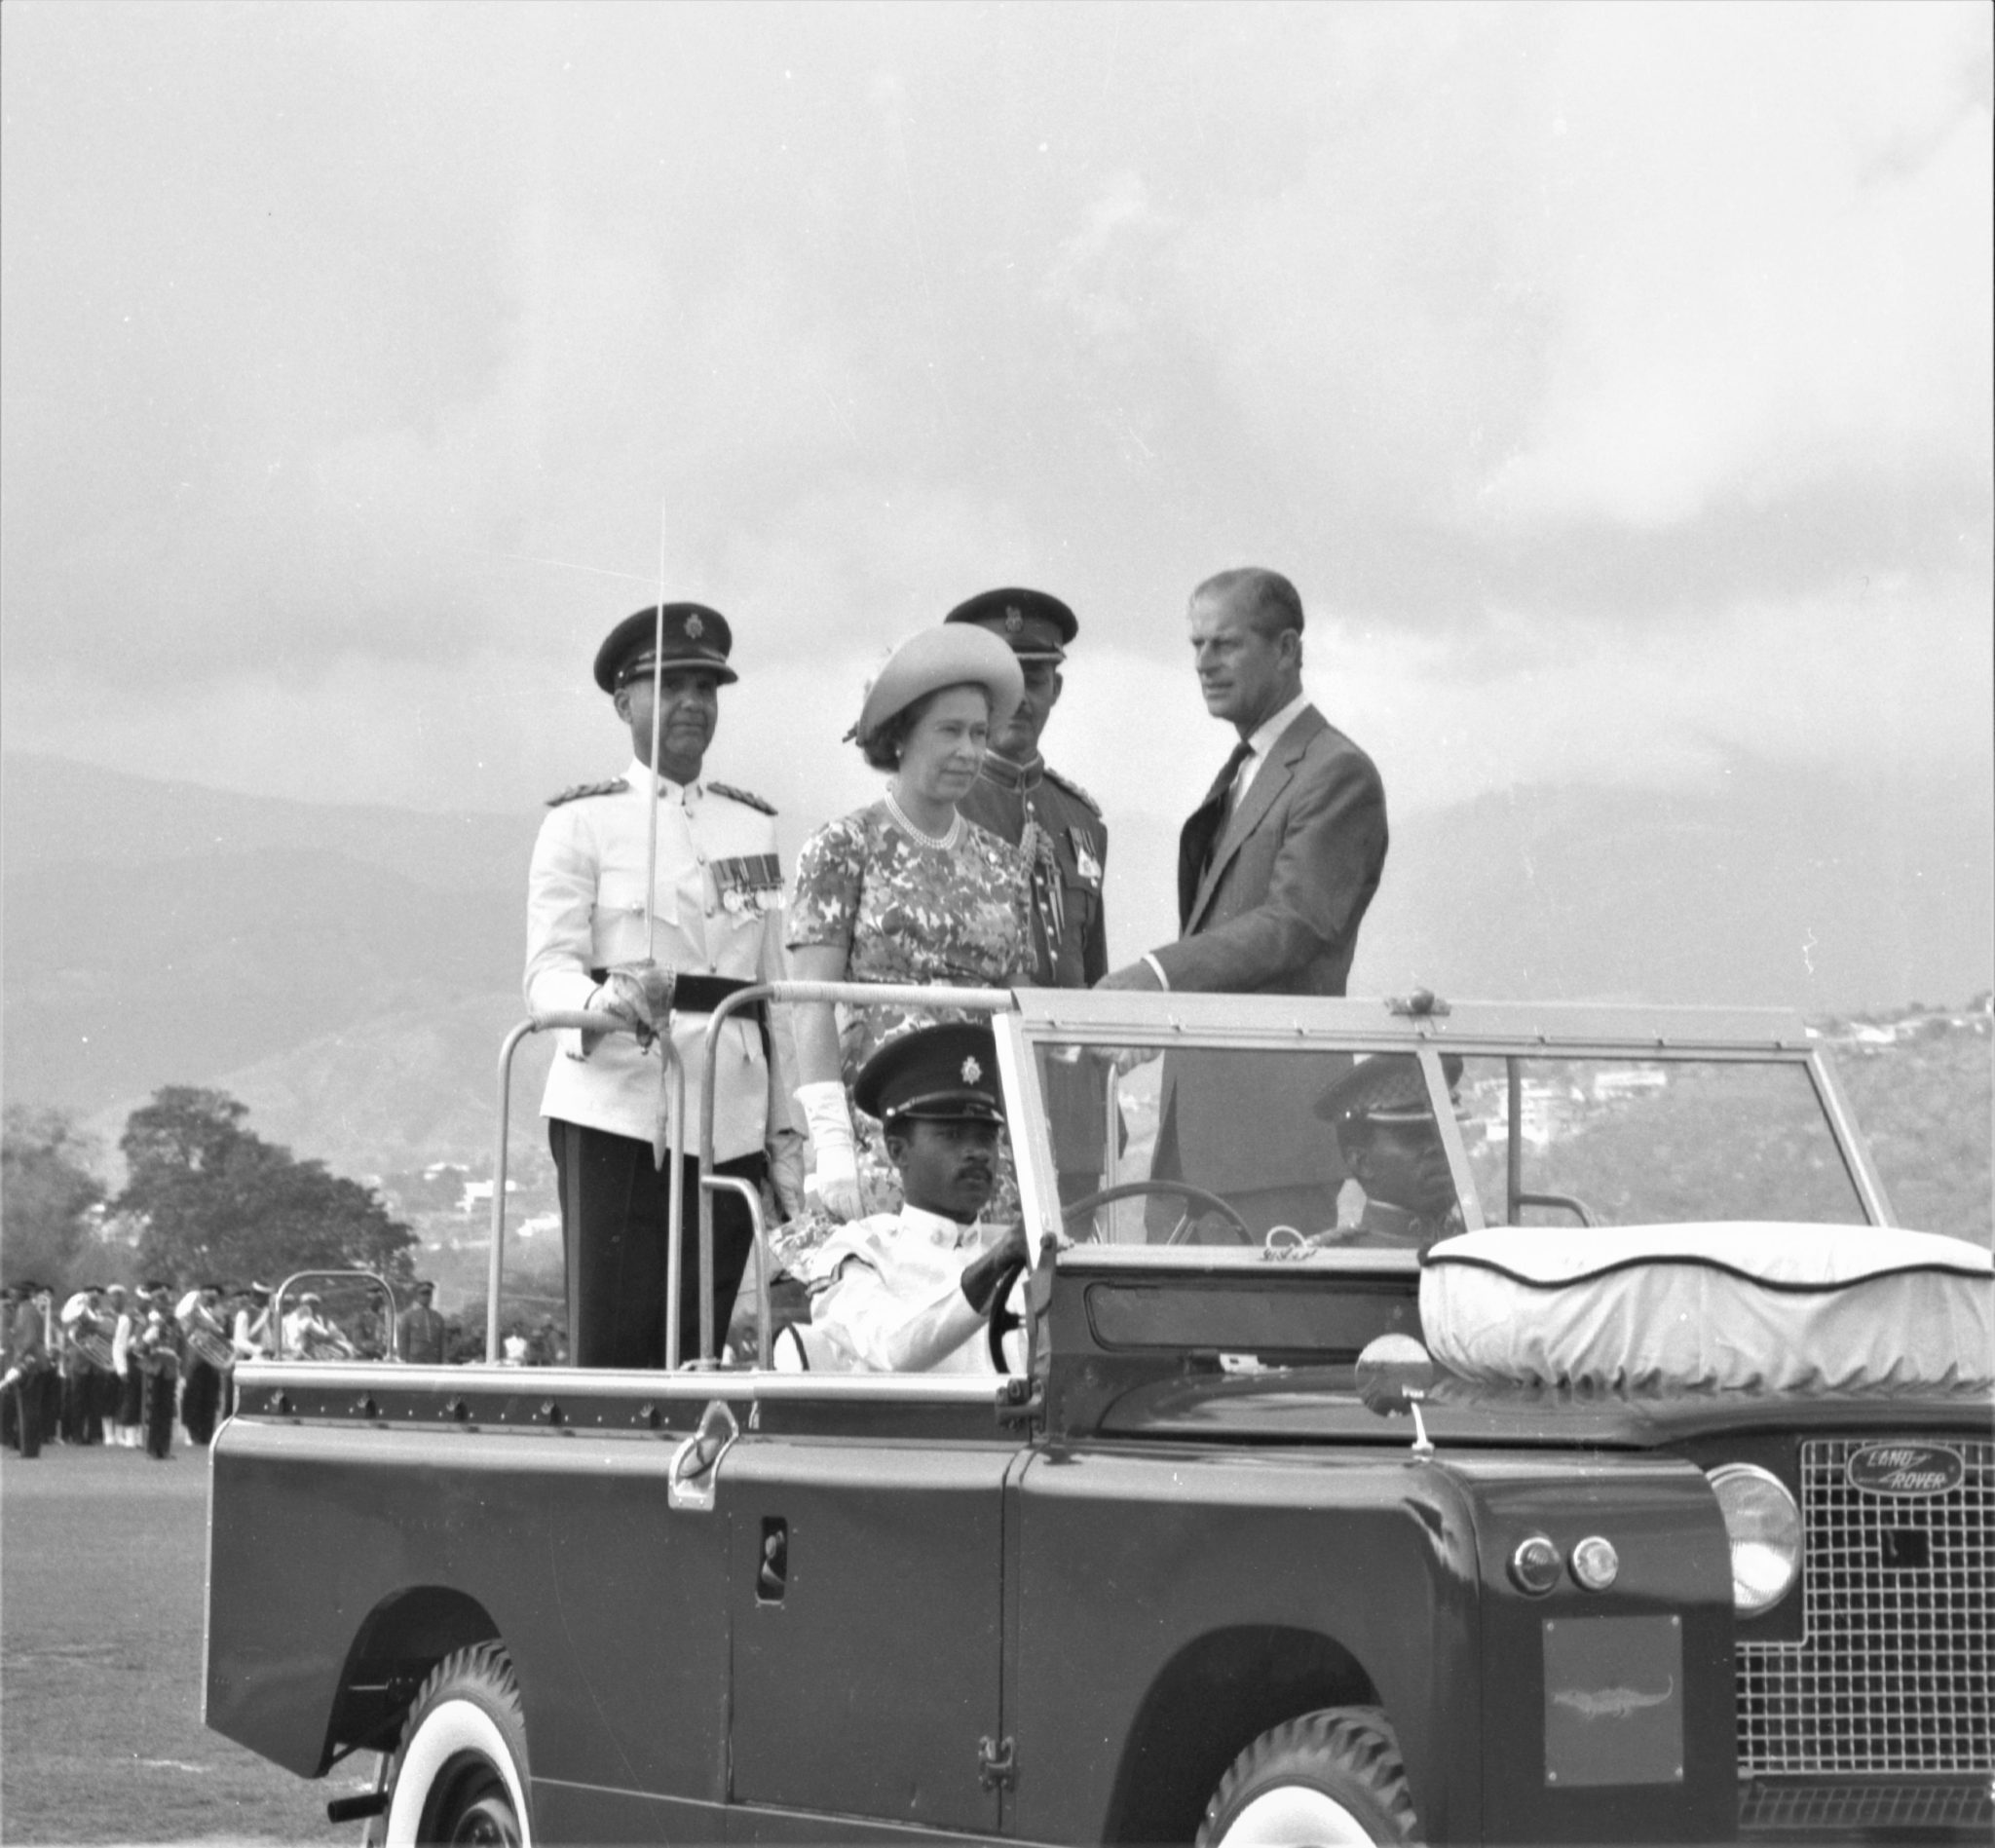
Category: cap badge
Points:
column 695, row 627
column 971, row 1072
column 1014, row 619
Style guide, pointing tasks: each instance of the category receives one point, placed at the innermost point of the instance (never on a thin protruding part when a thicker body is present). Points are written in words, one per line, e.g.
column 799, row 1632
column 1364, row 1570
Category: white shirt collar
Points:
column 638, row 777
column 1261, row 740
column 937, row 1228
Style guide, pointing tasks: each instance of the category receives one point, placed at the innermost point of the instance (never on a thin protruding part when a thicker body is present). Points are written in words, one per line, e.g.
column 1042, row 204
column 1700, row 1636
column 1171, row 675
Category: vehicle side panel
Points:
column 866, row 1672
column 612, row 1604
column 1167, row 1593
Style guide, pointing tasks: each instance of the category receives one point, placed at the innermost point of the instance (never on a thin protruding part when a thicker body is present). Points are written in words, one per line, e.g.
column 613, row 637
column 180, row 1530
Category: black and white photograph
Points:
column 996, row 922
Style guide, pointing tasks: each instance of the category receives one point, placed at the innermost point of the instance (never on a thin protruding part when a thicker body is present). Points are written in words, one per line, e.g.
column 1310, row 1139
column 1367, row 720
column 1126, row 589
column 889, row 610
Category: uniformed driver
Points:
column 912, row 1292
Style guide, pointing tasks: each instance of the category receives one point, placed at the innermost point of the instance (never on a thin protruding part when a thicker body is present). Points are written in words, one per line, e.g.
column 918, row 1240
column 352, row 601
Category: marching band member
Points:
column 27, row 1361
column 128, row 1414
column 249, row 1333
column 80, row 1420
column 199, row 1314
column 156, row 1348
column 304, row 1328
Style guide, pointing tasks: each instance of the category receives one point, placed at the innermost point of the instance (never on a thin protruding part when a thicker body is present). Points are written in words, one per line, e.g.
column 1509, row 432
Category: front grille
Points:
column 1815, row 1809
column 1894, row 1672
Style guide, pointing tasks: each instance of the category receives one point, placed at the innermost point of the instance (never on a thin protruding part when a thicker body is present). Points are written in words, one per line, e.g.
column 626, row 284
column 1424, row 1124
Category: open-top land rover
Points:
column 1646, row 1493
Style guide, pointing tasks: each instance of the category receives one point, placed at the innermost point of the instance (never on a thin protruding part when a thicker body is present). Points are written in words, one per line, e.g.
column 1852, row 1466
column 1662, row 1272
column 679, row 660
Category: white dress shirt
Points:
column 1259, row 742
column 894, row 1300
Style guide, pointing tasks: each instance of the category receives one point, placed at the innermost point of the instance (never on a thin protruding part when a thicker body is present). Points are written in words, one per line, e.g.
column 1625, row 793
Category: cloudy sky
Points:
column 1613, row 380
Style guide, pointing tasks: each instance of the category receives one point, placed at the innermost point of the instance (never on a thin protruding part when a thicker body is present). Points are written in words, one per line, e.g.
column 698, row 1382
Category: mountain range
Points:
column 348, row 972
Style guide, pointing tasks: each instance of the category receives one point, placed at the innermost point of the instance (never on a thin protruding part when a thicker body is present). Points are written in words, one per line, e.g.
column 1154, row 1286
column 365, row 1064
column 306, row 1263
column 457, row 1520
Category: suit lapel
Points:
column 1194, row 840
column 1274, row 778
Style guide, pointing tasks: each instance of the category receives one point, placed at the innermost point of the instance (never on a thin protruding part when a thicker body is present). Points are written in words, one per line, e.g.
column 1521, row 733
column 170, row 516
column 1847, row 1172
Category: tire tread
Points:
column 1358, row 1739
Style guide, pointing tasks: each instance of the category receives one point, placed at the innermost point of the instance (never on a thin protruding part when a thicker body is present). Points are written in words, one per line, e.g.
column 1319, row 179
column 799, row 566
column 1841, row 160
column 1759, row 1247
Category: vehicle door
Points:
column 865, row 1519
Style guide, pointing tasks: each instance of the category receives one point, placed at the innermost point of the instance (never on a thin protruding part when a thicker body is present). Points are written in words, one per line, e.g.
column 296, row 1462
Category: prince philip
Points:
column 1276, row 870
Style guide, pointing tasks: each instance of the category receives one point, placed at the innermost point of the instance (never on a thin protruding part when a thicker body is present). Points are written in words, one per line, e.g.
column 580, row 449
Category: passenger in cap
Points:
column 912, row 1290
column 1385, row 1128
column 712, row 925
column 906, row 890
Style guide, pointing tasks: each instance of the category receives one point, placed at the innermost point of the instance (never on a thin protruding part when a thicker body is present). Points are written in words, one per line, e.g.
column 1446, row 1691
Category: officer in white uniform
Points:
column 912, row 1292
column 716, row 926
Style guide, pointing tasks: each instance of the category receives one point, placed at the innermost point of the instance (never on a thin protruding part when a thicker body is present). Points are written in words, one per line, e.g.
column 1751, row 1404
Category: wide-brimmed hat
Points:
column 954, row 654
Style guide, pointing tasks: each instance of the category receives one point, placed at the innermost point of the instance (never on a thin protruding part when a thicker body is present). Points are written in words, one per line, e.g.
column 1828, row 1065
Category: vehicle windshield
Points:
column 1310, row 1149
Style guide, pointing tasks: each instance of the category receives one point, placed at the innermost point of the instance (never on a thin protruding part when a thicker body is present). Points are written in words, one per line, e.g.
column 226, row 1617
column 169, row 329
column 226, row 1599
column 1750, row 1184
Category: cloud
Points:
column 355, row 359
column 1761, row 281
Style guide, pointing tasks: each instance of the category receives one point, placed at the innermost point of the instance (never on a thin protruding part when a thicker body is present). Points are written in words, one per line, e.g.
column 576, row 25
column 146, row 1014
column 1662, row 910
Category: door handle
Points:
column 772, row 1567
column 690, row 1482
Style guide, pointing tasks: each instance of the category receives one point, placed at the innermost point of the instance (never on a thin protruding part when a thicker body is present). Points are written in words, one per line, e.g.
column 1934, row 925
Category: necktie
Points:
column 1224, row 788
column 1220, row 799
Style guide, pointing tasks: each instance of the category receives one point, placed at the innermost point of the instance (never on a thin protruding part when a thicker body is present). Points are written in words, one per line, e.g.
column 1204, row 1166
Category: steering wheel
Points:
column 1184, row 1189
column 999, row 1319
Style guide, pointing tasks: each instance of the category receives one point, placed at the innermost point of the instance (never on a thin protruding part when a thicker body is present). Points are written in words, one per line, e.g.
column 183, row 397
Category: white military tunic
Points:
column 717, row 911
column 892, row 1301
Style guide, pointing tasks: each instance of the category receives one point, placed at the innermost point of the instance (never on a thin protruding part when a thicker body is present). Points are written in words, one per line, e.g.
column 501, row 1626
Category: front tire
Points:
column 459, row 1774
column 1324, row 1781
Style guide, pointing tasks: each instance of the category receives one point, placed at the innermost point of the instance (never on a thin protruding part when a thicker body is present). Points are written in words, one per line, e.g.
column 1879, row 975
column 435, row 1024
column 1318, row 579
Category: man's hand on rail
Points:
column 639, row 994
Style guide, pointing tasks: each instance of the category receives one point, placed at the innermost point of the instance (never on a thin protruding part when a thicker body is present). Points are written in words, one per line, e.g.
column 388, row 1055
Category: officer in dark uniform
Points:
column 1392, row 1145
column 1020, row 798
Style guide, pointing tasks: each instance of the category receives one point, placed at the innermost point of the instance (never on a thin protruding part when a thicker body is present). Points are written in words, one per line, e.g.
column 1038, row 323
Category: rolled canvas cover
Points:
column 1777, row 1307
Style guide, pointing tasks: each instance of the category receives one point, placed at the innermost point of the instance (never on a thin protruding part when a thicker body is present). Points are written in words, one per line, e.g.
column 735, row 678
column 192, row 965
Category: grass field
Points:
column 102, row 1554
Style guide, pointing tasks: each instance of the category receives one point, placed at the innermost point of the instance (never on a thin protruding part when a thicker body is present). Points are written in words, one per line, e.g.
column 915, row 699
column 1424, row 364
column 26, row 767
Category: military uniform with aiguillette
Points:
column 716, row 925
column 1057, row 825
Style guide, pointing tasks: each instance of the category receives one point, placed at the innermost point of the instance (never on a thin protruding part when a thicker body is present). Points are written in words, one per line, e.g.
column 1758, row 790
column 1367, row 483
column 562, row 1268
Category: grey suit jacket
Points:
column 1273, row 908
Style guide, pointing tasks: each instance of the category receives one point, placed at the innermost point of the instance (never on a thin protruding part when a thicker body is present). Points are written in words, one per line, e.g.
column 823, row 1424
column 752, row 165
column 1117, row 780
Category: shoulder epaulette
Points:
column 1072, row 788
column 743, row 795
column 612, row 787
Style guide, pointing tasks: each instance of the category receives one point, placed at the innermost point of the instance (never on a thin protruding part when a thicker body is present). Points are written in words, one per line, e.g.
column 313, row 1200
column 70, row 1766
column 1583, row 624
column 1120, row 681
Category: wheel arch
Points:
column 397, row 1646
column 1210, row 1702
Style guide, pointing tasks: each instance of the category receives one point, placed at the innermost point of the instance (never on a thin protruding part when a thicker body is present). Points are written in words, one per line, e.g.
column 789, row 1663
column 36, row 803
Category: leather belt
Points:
column 701, row 993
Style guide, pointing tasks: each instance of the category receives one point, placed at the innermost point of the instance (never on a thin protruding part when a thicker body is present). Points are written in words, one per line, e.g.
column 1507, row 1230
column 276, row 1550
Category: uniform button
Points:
column 700, row 857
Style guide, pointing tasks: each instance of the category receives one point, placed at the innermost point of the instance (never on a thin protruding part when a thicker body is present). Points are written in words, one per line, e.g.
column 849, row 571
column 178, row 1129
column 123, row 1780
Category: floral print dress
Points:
column 908, row 914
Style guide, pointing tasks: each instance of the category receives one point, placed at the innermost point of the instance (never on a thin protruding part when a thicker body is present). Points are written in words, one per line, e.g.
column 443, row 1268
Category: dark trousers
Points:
column 614, row 1221
column 199, row 1400
column 24, row 1399
column 159, row 1412
column 131, row 1396
column 82, row 1421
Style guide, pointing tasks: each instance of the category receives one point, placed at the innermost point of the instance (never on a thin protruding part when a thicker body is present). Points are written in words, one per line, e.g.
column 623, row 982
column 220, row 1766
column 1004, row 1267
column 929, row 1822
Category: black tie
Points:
column 1223, row 790
column 1220, row 800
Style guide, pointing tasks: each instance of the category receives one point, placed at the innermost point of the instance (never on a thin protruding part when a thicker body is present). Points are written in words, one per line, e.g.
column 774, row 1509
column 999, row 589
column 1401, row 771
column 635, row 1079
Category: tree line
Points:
column 208, row 1198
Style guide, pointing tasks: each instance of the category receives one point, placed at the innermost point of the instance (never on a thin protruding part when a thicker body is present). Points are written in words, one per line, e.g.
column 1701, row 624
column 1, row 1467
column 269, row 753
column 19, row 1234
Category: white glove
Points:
column 830, row 1137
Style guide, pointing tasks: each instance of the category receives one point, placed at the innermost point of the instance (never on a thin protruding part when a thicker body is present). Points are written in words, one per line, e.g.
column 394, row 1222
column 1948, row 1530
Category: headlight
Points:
column 1535, row 1565
column 1764, row 1527
column 1594, row 1563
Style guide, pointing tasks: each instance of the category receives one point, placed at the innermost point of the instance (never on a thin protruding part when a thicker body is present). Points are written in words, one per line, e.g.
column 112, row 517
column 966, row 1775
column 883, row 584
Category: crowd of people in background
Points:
column 122, row 1367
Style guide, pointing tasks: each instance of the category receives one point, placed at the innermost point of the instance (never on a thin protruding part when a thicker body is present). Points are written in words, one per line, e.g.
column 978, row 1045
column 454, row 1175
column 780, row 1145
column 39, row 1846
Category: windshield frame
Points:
column 1511, row 1031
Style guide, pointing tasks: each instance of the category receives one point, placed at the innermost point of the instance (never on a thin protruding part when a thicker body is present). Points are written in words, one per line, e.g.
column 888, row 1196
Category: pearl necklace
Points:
column 942, row 841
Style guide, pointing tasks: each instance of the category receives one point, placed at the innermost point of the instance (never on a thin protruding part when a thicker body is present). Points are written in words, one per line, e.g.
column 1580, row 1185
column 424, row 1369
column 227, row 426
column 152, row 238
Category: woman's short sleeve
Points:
column 830, row 873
